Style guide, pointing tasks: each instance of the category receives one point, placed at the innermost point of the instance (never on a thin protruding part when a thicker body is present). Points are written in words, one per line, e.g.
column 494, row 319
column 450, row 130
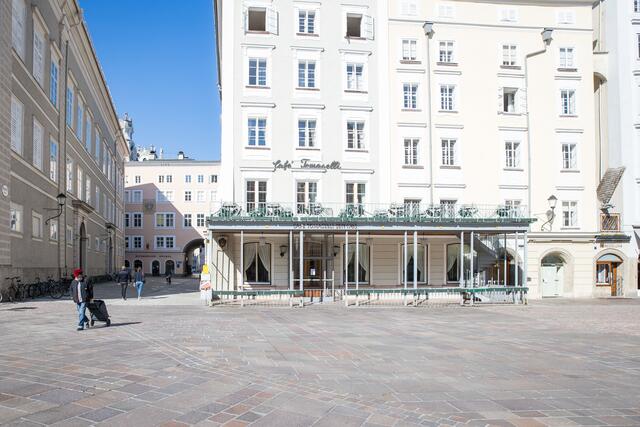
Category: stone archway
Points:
column 609, row 272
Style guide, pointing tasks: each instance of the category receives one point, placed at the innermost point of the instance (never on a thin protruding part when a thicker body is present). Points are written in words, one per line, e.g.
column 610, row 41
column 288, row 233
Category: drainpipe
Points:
column 428, row 31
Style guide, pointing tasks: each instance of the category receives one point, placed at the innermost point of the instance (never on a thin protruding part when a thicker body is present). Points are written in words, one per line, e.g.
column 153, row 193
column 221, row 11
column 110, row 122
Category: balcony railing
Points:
column 610, row 223
column 366, row 212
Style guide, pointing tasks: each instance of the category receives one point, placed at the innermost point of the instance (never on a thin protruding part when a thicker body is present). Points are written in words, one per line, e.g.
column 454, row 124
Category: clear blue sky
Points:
column 158, row 57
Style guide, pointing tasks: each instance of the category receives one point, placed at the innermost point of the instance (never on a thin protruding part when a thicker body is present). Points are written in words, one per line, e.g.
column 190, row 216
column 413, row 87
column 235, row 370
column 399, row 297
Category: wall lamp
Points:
column 428, row 29
column 547, row 36
column 283, row 250
column 336, row 250
column 551, row 213
column 61, row 198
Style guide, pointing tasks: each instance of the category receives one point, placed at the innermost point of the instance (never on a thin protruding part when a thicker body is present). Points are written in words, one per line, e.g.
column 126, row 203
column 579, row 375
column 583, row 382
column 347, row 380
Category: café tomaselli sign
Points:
column 305, row 164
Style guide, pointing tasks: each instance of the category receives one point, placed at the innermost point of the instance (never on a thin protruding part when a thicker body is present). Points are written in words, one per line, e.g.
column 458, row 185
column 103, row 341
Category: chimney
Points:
column 180, row 155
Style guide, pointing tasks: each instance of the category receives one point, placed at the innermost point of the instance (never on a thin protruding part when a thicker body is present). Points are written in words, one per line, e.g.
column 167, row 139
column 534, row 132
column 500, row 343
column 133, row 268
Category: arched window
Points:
column 408, row 265
column 453, row 261
column 257, row 263
column 363, row 269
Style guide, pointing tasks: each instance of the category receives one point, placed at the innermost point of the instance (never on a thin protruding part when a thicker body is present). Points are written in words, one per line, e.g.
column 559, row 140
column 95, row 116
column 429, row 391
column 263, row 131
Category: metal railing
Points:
column 414, row 297
column 610, row 223
column 367, row 212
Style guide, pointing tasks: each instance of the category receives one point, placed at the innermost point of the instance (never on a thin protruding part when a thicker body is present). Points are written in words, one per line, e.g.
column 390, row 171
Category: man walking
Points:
column 82, row 294
column 123, row 278
column 138, row 279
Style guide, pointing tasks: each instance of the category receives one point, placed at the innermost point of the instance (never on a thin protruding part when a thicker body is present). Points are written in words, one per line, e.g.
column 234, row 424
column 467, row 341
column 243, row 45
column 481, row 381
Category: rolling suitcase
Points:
column 99, row 312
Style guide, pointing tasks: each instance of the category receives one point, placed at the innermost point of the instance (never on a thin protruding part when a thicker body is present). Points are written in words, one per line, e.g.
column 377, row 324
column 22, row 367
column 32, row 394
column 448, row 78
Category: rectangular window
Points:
column 512, row 154
column 187, row 220
column 200, row 196
column 355, row 79
column 449, row 152
column 39, row 43
column 354, row 25
column 200, row 220
column 97, row 147
column 257, row 72
column 137, row 179
column 137, row 242
column 69, row 175
column 570, row 214
column 36, row 225
column 256, row 19
column 53, row 230
column 136, row 196
column 187, row 196
column 18, row 26
column 127, row 223
column 257, row 132
column 509, row 95
column 355, row 135
column 137, row 220
column 17, row 123
column 15, row 217
column 567, row 58
column 306, row 197
column 306, row 22
column 445, row 11
column 164, row 196
column 410, row 96
column 408, row 8
column 409, row 50
column 159, row 242
column 566, row 17
column 213, row 179
column 187, row 179
column 355, row 194
column 567, row 102
column 569, row 156
column 165, row 220
column 69, row 110
column 509, row 55
column 127, row 242
column 169, row 179
column 446, row 52
column 38, row 143
column 256, row 195
column 53, row 160
column 54, row 73
column 160, row 179
column 636, row 6
column 306, row 74
column 200, row 179
column 508, row 15
column 411, row 151
column 306, row 133
column 447, row 93
column 87, row 132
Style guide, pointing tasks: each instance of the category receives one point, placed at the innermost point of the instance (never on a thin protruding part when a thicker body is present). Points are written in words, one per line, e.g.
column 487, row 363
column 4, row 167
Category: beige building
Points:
column 61, row 148
column 167, row 203
column 410, row 143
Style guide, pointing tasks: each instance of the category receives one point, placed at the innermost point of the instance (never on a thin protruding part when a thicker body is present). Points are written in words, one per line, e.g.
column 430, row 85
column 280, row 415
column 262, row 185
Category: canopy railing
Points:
column 366, row 212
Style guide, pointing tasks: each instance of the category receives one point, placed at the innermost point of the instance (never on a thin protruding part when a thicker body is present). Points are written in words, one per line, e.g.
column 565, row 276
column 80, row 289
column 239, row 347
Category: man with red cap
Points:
column 82, row 294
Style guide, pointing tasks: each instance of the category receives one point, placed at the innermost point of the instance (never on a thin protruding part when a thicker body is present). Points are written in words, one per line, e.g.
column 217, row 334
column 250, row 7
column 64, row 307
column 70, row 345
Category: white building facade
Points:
column 366, row 151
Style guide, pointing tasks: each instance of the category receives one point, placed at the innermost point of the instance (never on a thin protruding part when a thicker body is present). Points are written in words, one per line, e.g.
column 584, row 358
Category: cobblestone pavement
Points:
column 168, row 360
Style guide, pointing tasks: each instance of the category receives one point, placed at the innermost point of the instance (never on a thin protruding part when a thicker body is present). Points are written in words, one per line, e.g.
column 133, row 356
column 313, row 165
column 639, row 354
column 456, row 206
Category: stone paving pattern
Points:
column 551, row 363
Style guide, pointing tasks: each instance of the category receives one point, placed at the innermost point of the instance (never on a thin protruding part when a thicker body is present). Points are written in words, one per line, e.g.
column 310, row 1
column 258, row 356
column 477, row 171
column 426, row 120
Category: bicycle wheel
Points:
column 55, row 291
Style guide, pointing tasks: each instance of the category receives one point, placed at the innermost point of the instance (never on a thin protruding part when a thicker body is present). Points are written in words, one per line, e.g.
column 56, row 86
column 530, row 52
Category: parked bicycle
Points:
column 14, row 291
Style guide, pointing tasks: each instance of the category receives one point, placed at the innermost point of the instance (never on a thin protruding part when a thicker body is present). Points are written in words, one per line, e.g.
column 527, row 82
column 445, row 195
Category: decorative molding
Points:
column 413, row 185
column 564, row 130
column 448, row 72
column 308, row 106
column 355, row 108
column 511, row 75
column 360, row 171
column 570, row 187
column 512, row 129
column 565, row 78
column 512, row 187
column 245, row 104
column 411, row 70
column 454, row 186
column 313, row 49
column 355, row 51
column 447, row 126
column 258, row 45
column 411, row 125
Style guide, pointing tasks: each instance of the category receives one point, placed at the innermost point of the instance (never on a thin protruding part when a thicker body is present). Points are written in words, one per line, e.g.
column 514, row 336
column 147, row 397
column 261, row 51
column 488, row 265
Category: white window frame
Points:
column 570, row 214
column 307, row 135
column 512, row 150
column 352, row 190
column 38, row 144
column 509, row 55
column 188, row 195
column 19, row 27
column 256, row 193
column 566, row 58
column 39, row 47
column 357, row 137
column 53, row 231
column 134, row 196
column 410, row 96
column 411, row 151
column 201, row 220
column 302, row 22
column 36, row 225
column 409, row 50
column 508, row 14
column 306, row 195
column 165, row 216
column 200, row 179
column 446, row 52
column 133, row 243
column 355, row 81
column 69, row 176
column 259, row 68
column 448, row 95
column 568, row 106
column 569, row 156
column 54, row 79
column 16, row 217
column 187, row 220
column 307, row 74
column 449, row 158
column 17, row 125
column 134, row 218
column 253, row 140
column 53, row 159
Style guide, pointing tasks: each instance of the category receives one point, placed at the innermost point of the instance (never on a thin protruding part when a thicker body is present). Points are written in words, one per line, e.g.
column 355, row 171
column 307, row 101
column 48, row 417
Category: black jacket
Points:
column 123, row 277
column 86, row 290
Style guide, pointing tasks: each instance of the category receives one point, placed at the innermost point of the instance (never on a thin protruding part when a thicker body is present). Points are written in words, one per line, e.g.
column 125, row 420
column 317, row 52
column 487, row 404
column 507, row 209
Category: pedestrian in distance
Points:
column 82, row 293
column 138, row 279
column 123, row 278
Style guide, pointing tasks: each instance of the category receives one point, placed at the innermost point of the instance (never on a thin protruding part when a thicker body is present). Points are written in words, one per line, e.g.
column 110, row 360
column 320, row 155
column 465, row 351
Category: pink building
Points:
column 167, row 202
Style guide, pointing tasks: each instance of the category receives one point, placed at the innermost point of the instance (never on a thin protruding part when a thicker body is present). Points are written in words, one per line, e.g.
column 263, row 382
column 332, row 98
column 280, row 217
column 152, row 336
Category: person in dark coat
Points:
column 82, row 293
column 123, row 278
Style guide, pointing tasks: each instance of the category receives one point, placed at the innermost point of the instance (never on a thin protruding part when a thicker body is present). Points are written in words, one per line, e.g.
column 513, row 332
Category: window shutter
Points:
column 38, row 56
column 245, row 19
column 16, row 125
column 500, row 99
column 272, row 21
column 18, row 26
column 37, row 144
column 367, row 27
column 522, row 101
